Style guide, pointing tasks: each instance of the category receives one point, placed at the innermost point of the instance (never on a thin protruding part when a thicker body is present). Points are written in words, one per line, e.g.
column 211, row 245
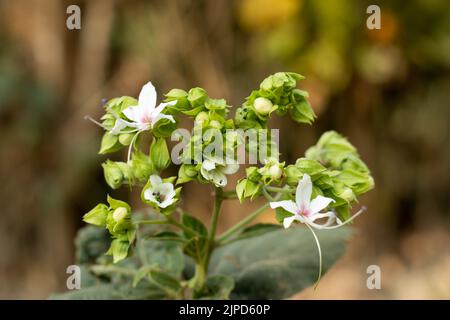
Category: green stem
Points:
column 231, row 194
column 252, row 216
column 174, row 222
column 152, row 222
column 242, row 223
column 279, row 190
column 201, row 269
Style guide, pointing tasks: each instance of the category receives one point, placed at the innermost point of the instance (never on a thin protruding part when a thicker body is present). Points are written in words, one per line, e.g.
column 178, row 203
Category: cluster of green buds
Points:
column 336, row 171
column 277, row 93
column 116, row 218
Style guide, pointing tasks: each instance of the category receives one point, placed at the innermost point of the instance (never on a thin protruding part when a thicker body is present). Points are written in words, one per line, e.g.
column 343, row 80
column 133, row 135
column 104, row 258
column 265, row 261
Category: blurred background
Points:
column 387, row 90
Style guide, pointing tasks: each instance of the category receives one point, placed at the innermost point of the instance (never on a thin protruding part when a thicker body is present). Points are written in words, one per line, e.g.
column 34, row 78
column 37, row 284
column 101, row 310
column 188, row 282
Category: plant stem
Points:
column 252, row 216
column 231, row 194
column 277, row 189
column 201, row 269
column 152, row 222
column 174, row 222
column 242, row 223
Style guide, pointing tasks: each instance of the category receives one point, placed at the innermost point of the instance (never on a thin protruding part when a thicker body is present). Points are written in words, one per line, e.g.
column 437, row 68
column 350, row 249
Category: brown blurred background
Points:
column 388, row 90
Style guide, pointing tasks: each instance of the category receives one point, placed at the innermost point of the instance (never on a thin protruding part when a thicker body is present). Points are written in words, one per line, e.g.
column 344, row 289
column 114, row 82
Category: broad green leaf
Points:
column 99, row 292
column 90, row 243
column 277, row 264
column 257, row 230
column 194, row 224
column 165, row 281
column 165, row 255
column 217, row 288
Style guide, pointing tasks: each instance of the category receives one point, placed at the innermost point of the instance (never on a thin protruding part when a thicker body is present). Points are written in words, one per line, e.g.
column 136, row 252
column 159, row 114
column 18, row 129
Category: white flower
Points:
column 304, row 210
column 216, row 169
column 160, row 193
column 145, row 114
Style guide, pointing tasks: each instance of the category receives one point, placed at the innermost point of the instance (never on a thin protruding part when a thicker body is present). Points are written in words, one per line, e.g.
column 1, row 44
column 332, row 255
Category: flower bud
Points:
column 113, row 173
column 263, row 106
column 215, row 124
column 201, row 117
column 197, row 96
column 293, row 175
column 119, row 214
column 125, row 138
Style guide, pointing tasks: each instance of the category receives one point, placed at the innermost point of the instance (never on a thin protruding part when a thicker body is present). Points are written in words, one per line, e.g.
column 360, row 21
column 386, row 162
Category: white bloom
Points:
column 160, row 193
column 216, row 169
column 304, row 210
column 145, row 114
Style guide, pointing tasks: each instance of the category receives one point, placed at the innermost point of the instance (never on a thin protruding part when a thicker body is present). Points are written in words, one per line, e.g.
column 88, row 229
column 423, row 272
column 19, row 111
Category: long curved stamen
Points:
column 88, row 117
column 131, row 145
column 318, row 226
column 320, row 255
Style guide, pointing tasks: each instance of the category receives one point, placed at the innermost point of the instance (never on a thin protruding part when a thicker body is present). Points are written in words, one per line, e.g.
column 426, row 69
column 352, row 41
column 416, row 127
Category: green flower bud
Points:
column 348, row 195
column 215, row 124
column 197, row 96
column 97, row 216
column 159, row 154
column 253, row 174
column 125, row 138
column 201, row 117
column 116, row 173
column 293, row 175
column 272, row 171
column 119, row 214
column 263, row 106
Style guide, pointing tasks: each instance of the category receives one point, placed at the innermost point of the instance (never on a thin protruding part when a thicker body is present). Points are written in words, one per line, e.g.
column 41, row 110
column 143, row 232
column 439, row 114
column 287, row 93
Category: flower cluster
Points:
column 322, row 185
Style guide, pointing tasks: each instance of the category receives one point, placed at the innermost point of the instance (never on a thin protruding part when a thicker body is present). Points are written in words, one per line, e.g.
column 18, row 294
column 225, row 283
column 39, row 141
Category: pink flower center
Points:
column 304, row 211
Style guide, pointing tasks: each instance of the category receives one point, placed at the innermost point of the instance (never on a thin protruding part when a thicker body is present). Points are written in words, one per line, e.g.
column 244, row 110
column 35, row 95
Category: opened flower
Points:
column 160, row 193
column 216, row 169
column 304, row 209
column 146, row 114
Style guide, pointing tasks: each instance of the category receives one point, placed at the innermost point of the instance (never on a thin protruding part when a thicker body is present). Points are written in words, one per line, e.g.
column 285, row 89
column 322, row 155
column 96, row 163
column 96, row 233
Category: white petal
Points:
column 155, row 180
column 162, row 106
column 288, row 221
column 208, row 165
column 287, row 205
column 319, row 203
column 155, row 119
column 120, row 125
column 165, row 189
column 147, row 96
column 168, row 201
column 218, row 178
column 148, row 195
column 303, row 193
column 132, row 113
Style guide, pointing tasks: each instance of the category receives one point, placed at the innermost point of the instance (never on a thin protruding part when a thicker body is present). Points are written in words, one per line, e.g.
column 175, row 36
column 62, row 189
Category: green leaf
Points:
column 193, row 224
column 165, row 255
column 90, row 243
column 99, row 292
column 217, row 287
column 159, row 154
column 165, row 281
column 277, row 264
column 257, row 230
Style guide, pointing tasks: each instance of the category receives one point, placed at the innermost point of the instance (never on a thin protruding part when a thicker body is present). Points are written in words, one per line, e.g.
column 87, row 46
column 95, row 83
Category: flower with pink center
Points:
column 146, row 114
column 304, row 209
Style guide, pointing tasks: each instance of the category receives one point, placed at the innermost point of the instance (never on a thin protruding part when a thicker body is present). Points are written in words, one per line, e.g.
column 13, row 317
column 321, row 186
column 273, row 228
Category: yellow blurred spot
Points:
column 257, row 15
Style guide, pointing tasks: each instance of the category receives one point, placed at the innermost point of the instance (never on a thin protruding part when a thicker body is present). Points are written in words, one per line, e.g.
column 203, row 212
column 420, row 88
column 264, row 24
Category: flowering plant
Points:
column 166, row 253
